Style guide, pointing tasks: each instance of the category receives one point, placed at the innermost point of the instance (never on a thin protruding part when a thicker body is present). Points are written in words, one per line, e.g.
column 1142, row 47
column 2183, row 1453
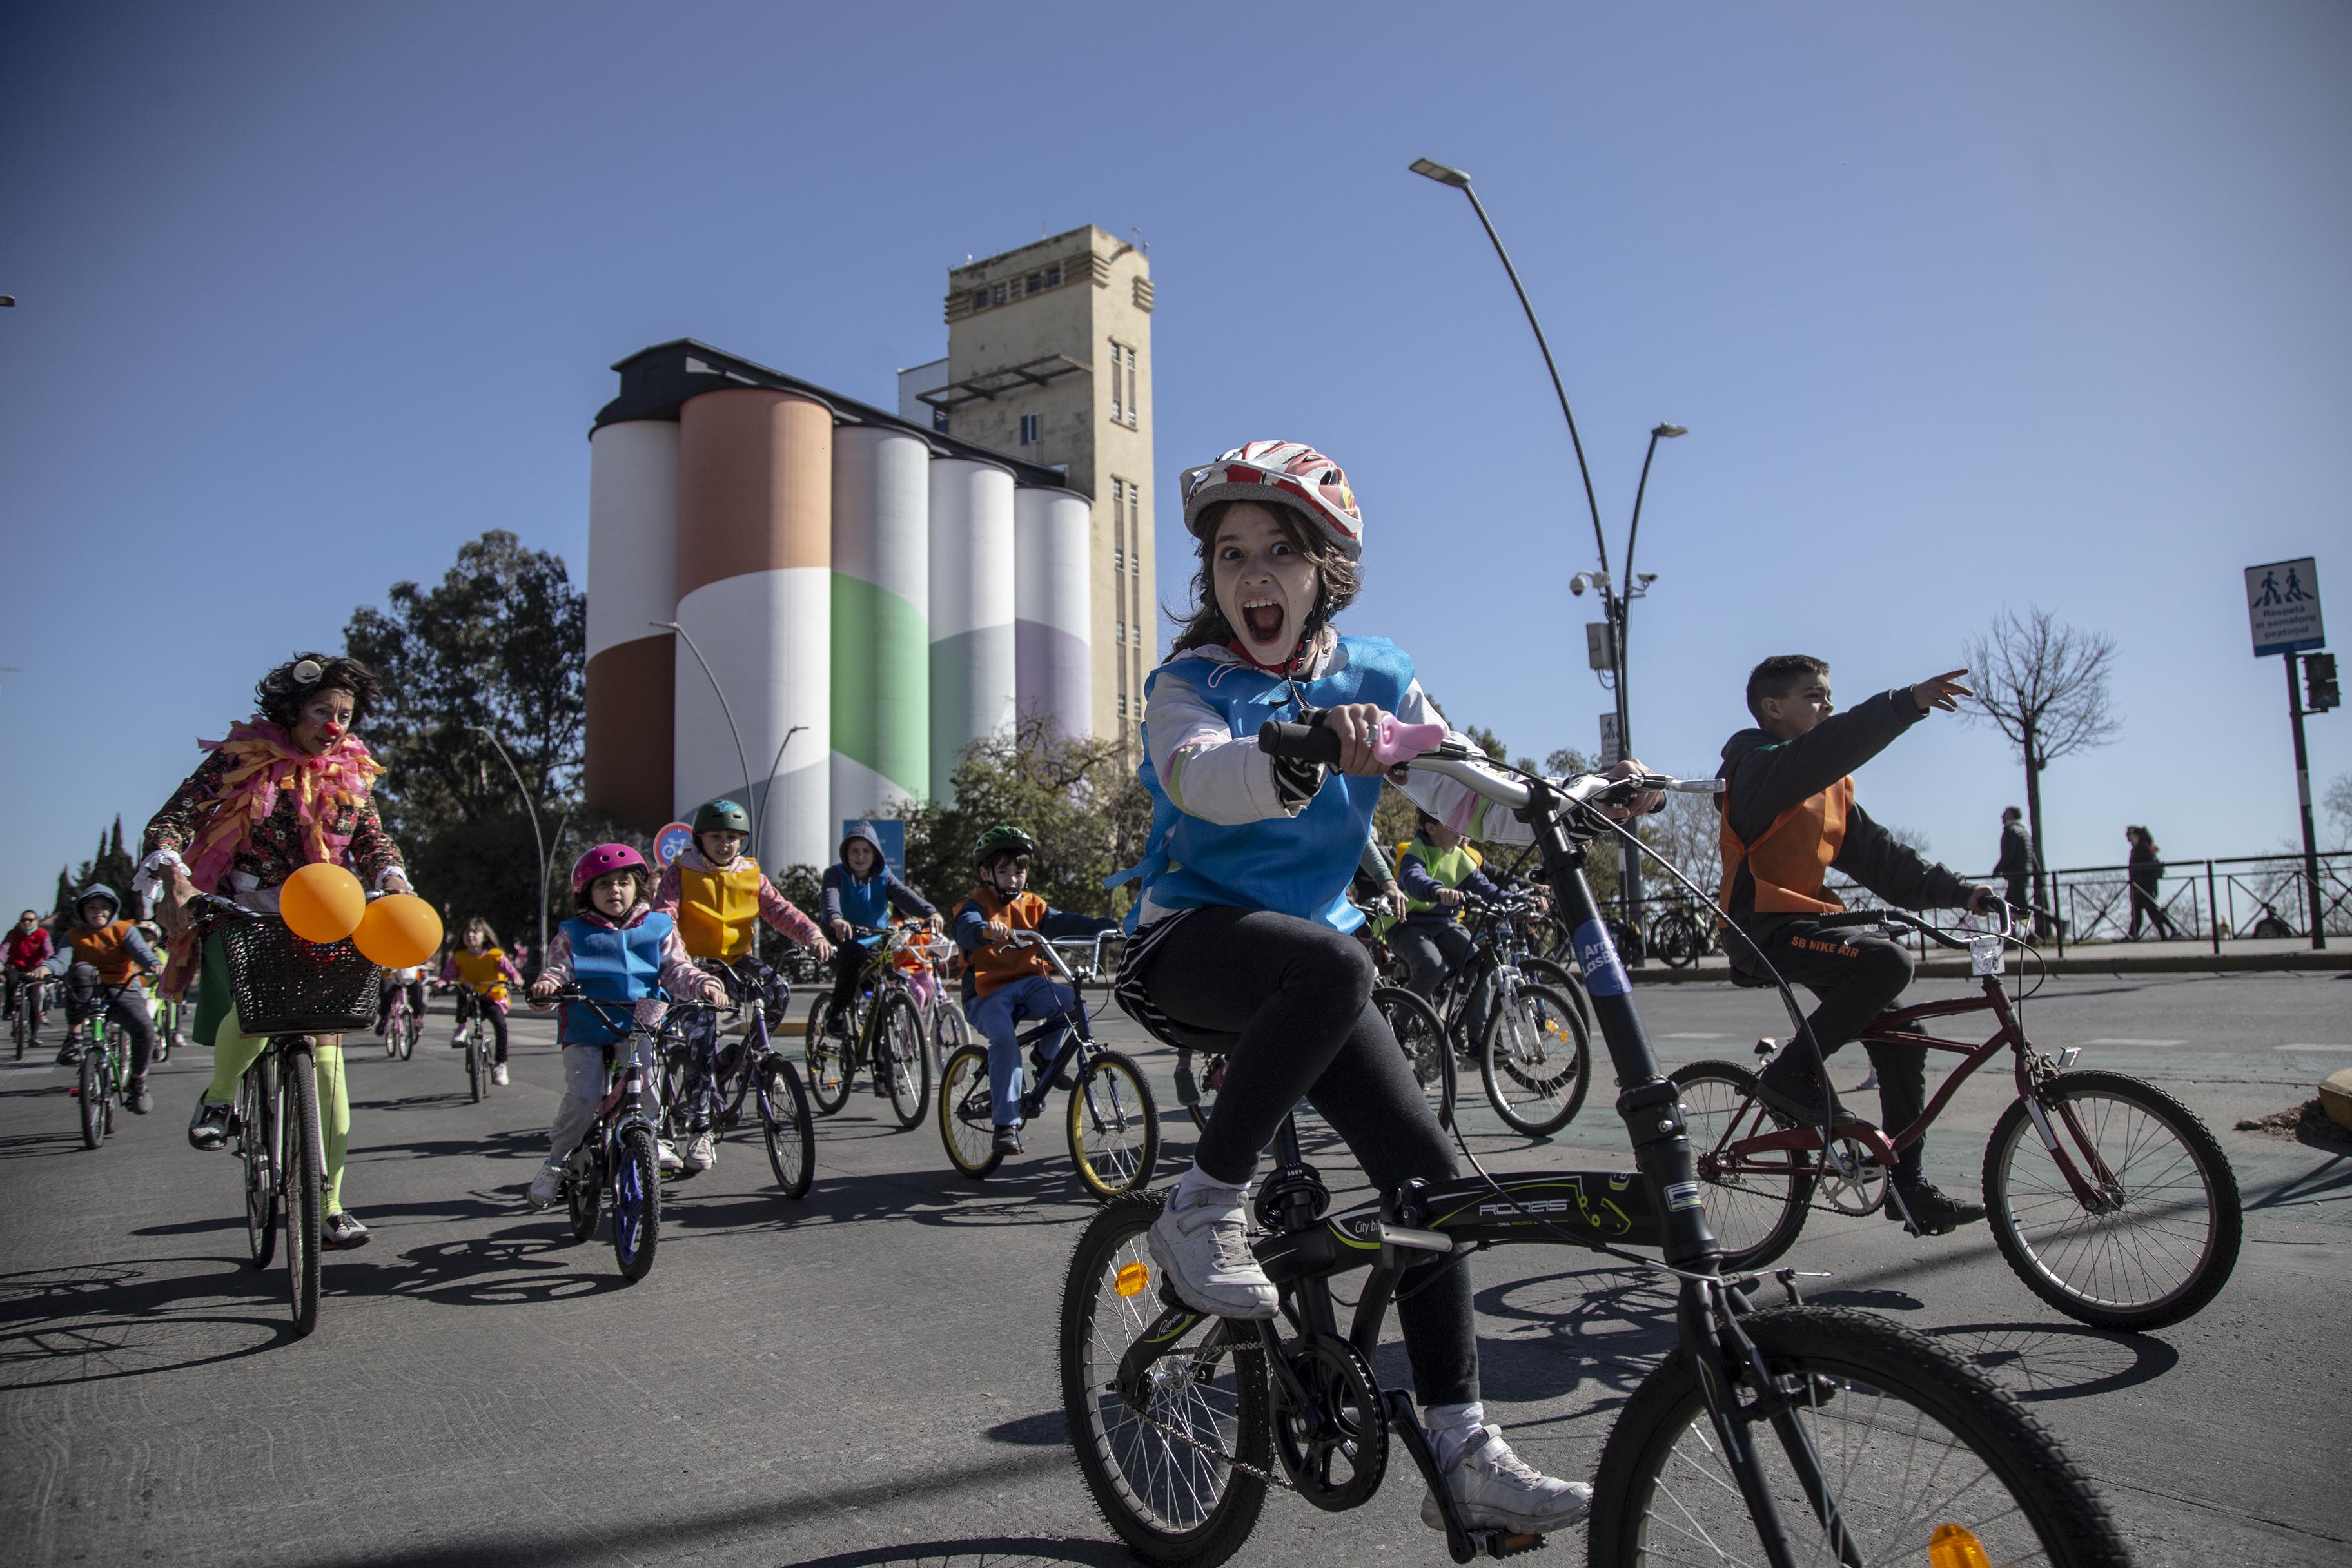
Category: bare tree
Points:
column 2043, row 684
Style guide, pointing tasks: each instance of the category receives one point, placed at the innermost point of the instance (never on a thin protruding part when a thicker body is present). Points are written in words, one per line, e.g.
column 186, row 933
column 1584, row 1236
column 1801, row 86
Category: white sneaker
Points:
column 666, row 1159
column 1494, row 1488
column 498, row 1075
column 1201, row 1243
column 544, row 1187
column 701, row 1154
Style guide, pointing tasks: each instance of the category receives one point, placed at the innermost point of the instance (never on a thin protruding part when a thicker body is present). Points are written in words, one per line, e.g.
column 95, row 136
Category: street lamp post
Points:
column 535, row 837
column 721, row 692
column 1615, row 603
column 760, row 845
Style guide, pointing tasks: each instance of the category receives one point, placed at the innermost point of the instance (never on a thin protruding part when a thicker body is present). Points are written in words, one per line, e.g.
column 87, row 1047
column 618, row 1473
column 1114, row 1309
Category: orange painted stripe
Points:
column 755, row 484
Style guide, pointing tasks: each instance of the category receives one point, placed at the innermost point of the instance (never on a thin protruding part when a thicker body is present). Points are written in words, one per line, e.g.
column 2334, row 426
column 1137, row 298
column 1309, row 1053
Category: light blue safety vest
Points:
column 1291, row 865
column 613, row 966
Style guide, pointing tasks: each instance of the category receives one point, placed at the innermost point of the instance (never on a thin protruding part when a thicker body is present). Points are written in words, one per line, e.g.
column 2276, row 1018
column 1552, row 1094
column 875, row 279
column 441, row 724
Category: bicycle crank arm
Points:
column 1462, row 1544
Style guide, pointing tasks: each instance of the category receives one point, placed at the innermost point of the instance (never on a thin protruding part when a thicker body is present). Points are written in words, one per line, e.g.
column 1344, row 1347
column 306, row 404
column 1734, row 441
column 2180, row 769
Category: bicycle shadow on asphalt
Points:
column 83, row 1324
column 1044, row 1193
column 2058, row 1361
column 40, row 1145
column 1577, row 1328
column 508, row 1270
column 988, row 1552
column 2322, row 1183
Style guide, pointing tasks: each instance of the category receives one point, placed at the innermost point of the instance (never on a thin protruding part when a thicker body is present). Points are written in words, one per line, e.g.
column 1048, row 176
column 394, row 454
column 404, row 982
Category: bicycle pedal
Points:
column 1504, row 1544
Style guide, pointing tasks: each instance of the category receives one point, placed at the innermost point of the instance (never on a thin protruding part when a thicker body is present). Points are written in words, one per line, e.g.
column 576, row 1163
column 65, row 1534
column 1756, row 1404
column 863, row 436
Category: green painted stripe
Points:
column 881, row 682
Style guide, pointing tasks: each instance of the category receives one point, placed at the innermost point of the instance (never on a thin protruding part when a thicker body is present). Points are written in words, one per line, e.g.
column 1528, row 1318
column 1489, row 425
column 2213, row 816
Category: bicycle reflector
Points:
column 1956, row 1546
column 1132, row 1277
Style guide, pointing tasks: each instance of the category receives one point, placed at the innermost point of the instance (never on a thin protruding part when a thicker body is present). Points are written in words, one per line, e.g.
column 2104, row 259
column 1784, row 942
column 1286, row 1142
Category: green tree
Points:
column 1079, row 799
column 500, row 642
column 112, row 864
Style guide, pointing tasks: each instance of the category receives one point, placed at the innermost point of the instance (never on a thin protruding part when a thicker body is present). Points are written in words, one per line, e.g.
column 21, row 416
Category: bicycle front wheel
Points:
column 1676, row 938
column 967, row 1118
column 1535, row 1060
column 2168, row 1226
column 302, row 1157
column 1918, row 1456
column 636, row 1204
column 411, row 1033
column 1114, row 1127
column 1755, row 1203
column 583, row 1190
column 790, row 1129
column 1162, row 1476
column 902, row 1058
column 477, row 1071
column 825, row 1046
column 90, row 1090
column 1421, row 1034
column 948, row 1032
column 256, row 1143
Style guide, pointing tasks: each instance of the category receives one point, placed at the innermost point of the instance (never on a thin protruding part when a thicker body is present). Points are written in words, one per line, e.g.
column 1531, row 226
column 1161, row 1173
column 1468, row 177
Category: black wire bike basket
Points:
column 285, row 985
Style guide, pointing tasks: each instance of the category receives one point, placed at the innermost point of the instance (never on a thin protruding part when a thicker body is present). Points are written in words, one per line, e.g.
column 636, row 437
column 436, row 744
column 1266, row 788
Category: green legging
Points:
column 233, row 1052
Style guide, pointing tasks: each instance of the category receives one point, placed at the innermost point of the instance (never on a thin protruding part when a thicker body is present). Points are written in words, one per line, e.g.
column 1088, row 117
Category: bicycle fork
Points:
column 1708, row 1315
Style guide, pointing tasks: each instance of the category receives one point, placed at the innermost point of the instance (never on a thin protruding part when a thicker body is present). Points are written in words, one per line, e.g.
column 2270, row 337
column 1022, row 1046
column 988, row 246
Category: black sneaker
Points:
column 208, row 1128
column 1932, row 1211
column 1790, row 1087
column 1007, row 1141
column 69, row 1054
column 342, row 1233
column 141, row 1101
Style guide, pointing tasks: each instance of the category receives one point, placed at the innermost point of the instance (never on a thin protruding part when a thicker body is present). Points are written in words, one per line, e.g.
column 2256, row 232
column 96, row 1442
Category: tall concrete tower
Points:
column 1049, row 360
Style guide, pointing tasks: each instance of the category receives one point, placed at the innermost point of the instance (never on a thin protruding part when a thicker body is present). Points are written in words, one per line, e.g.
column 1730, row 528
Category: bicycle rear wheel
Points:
column 1421, row 1034
column 1535, row 1060
column 902, row 1058
column 301, row 1167
column 826, row 1048
column 948, row 1032
column 1922, row 1455
column 2169, row 1241
column 89, row 1093
column 790, row 1129
column 1168, row 1499
column 477, row 1071
column 256, row 1121
column 1199, row 1076
column 1755, row 1203
column 410, row 1035
column 1678, row 938
column 1114, row 1127
column 967, row 1119
column 636, row 1204
column 584, row 1187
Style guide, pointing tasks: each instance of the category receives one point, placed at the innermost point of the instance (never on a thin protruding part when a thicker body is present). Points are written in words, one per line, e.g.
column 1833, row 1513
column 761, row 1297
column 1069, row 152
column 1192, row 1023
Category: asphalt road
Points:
column 867, row 1376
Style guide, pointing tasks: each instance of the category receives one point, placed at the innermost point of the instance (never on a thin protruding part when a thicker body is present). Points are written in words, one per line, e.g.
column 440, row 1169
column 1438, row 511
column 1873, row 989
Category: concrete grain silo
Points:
column 1052, row 613
column 971, row 576
column 881, row 613
column 632, row 583
column 755, row 592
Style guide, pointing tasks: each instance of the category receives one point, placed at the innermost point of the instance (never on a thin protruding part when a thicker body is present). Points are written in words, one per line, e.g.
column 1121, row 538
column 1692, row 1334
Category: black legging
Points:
column 468, row 998
column 1857, row 976
column 1299, row 995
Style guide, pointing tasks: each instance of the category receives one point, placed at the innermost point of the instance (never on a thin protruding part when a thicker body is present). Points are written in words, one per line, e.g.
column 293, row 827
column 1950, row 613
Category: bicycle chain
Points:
column 1254, row 1472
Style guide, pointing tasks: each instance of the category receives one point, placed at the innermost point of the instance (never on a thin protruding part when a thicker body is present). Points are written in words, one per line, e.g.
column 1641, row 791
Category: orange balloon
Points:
column 323, row 903
column 399, row 930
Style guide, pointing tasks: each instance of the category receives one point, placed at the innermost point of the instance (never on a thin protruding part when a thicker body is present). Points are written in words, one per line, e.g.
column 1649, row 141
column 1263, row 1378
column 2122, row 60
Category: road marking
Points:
column 1728, row 1036
column 2304, row 1048
column 2120, row 1041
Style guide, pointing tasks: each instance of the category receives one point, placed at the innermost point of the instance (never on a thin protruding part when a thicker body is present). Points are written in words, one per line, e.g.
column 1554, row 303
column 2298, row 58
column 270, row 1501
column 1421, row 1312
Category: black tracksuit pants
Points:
column 1298, row 995
column 1857, row 976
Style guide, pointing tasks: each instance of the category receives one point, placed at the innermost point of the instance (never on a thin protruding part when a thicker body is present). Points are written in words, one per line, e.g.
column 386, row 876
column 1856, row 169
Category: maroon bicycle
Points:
column 2110, row 1198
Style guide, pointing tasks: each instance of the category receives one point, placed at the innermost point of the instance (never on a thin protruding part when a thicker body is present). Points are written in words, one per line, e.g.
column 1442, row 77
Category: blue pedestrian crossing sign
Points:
column 2283, row 606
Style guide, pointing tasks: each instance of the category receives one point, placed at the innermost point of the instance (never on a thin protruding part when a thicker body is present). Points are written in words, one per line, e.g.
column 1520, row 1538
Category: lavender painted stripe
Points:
column 1054, row 676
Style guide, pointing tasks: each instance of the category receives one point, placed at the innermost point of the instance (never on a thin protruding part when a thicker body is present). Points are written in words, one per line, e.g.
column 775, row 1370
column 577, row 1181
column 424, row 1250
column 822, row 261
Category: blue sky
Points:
column 1963, row 306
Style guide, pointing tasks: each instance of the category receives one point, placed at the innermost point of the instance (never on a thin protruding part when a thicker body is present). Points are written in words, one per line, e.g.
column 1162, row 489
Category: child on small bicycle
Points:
column 718, row 895
column 1244, row 929
column 394, row 981
column 618, row 950
column 860, row 890
column 104, row 950
column 1433, row 870
column 28, row 951
column 1003, row 983
column 482, row 967
column 1789, row 817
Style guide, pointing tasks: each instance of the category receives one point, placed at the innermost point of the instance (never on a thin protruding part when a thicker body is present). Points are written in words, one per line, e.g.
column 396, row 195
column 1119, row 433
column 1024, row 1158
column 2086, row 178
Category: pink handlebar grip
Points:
column 1400, row 742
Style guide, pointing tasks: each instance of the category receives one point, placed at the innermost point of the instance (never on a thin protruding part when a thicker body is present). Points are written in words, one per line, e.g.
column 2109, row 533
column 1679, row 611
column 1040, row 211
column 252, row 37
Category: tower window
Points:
column 979, row 299
column 998, row 298
column 1054, row 276
column 1131, row 410
column 1029, row 423
column 940, row 420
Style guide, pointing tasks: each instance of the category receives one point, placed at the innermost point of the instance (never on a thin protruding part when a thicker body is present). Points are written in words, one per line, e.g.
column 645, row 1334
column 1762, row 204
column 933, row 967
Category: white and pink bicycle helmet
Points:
column 1285, row 473
column 604, row 859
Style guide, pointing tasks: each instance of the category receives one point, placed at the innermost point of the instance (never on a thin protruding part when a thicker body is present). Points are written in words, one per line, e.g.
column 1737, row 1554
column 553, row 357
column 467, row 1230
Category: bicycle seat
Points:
column 1214, row 1042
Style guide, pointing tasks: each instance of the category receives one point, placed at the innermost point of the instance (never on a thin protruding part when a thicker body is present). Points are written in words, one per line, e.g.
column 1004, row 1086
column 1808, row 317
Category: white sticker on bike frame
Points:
column 1603, row 975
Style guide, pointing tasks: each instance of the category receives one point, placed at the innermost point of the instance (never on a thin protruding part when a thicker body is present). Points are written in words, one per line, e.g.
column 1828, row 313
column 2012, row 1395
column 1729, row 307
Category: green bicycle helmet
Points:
column 1001, row 840
column 722, row 816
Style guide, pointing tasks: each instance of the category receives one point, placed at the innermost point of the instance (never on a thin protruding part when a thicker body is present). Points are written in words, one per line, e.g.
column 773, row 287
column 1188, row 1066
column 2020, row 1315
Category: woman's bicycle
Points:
column 617, row 1166
column 1783, row 1435
column 883, row 1027
column 1112, row 1122
column 2109, row 1198
column 758, row 1073
column 102, row 1079
column 291, row 991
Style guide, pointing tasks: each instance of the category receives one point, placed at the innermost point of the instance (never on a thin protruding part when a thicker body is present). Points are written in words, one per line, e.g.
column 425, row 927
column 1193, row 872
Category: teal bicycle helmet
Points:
column 722, row 816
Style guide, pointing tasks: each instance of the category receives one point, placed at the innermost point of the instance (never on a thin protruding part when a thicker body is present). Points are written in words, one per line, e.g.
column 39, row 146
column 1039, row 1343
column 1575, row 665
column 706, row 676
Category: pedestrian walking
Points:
column 2017, row 861
column 2146, row 871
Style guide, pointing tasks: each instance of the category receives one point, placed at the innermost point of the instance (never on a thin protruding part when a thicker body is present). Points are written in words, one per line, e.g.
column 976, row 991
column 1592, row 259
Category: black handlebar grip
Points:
column 1307, row 742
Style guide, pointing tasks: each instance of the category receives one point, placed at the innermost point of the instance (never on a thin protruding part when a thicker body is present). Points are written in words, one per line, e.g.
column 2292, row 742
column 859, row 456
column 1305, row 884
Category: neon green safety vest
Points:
column 1446, row 867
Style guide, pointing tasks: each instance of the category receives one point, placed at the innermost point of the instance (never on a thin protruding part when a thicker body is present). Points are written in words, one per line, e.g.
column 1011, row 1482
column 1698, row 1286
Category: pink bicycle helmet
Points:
column 1283, row 472
column 604, row 859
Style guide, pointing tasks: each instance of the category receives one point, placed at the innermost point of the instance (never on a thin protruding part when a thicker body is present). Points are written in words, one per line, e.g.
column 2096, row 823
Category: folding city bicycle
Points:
column 1788, row 1435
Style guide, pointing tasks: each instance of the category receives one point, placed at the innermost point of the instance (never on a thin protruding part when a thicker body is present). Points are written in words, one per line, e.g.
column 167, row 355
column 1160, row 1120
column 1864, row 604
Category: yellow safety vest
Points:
column 718, row 912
